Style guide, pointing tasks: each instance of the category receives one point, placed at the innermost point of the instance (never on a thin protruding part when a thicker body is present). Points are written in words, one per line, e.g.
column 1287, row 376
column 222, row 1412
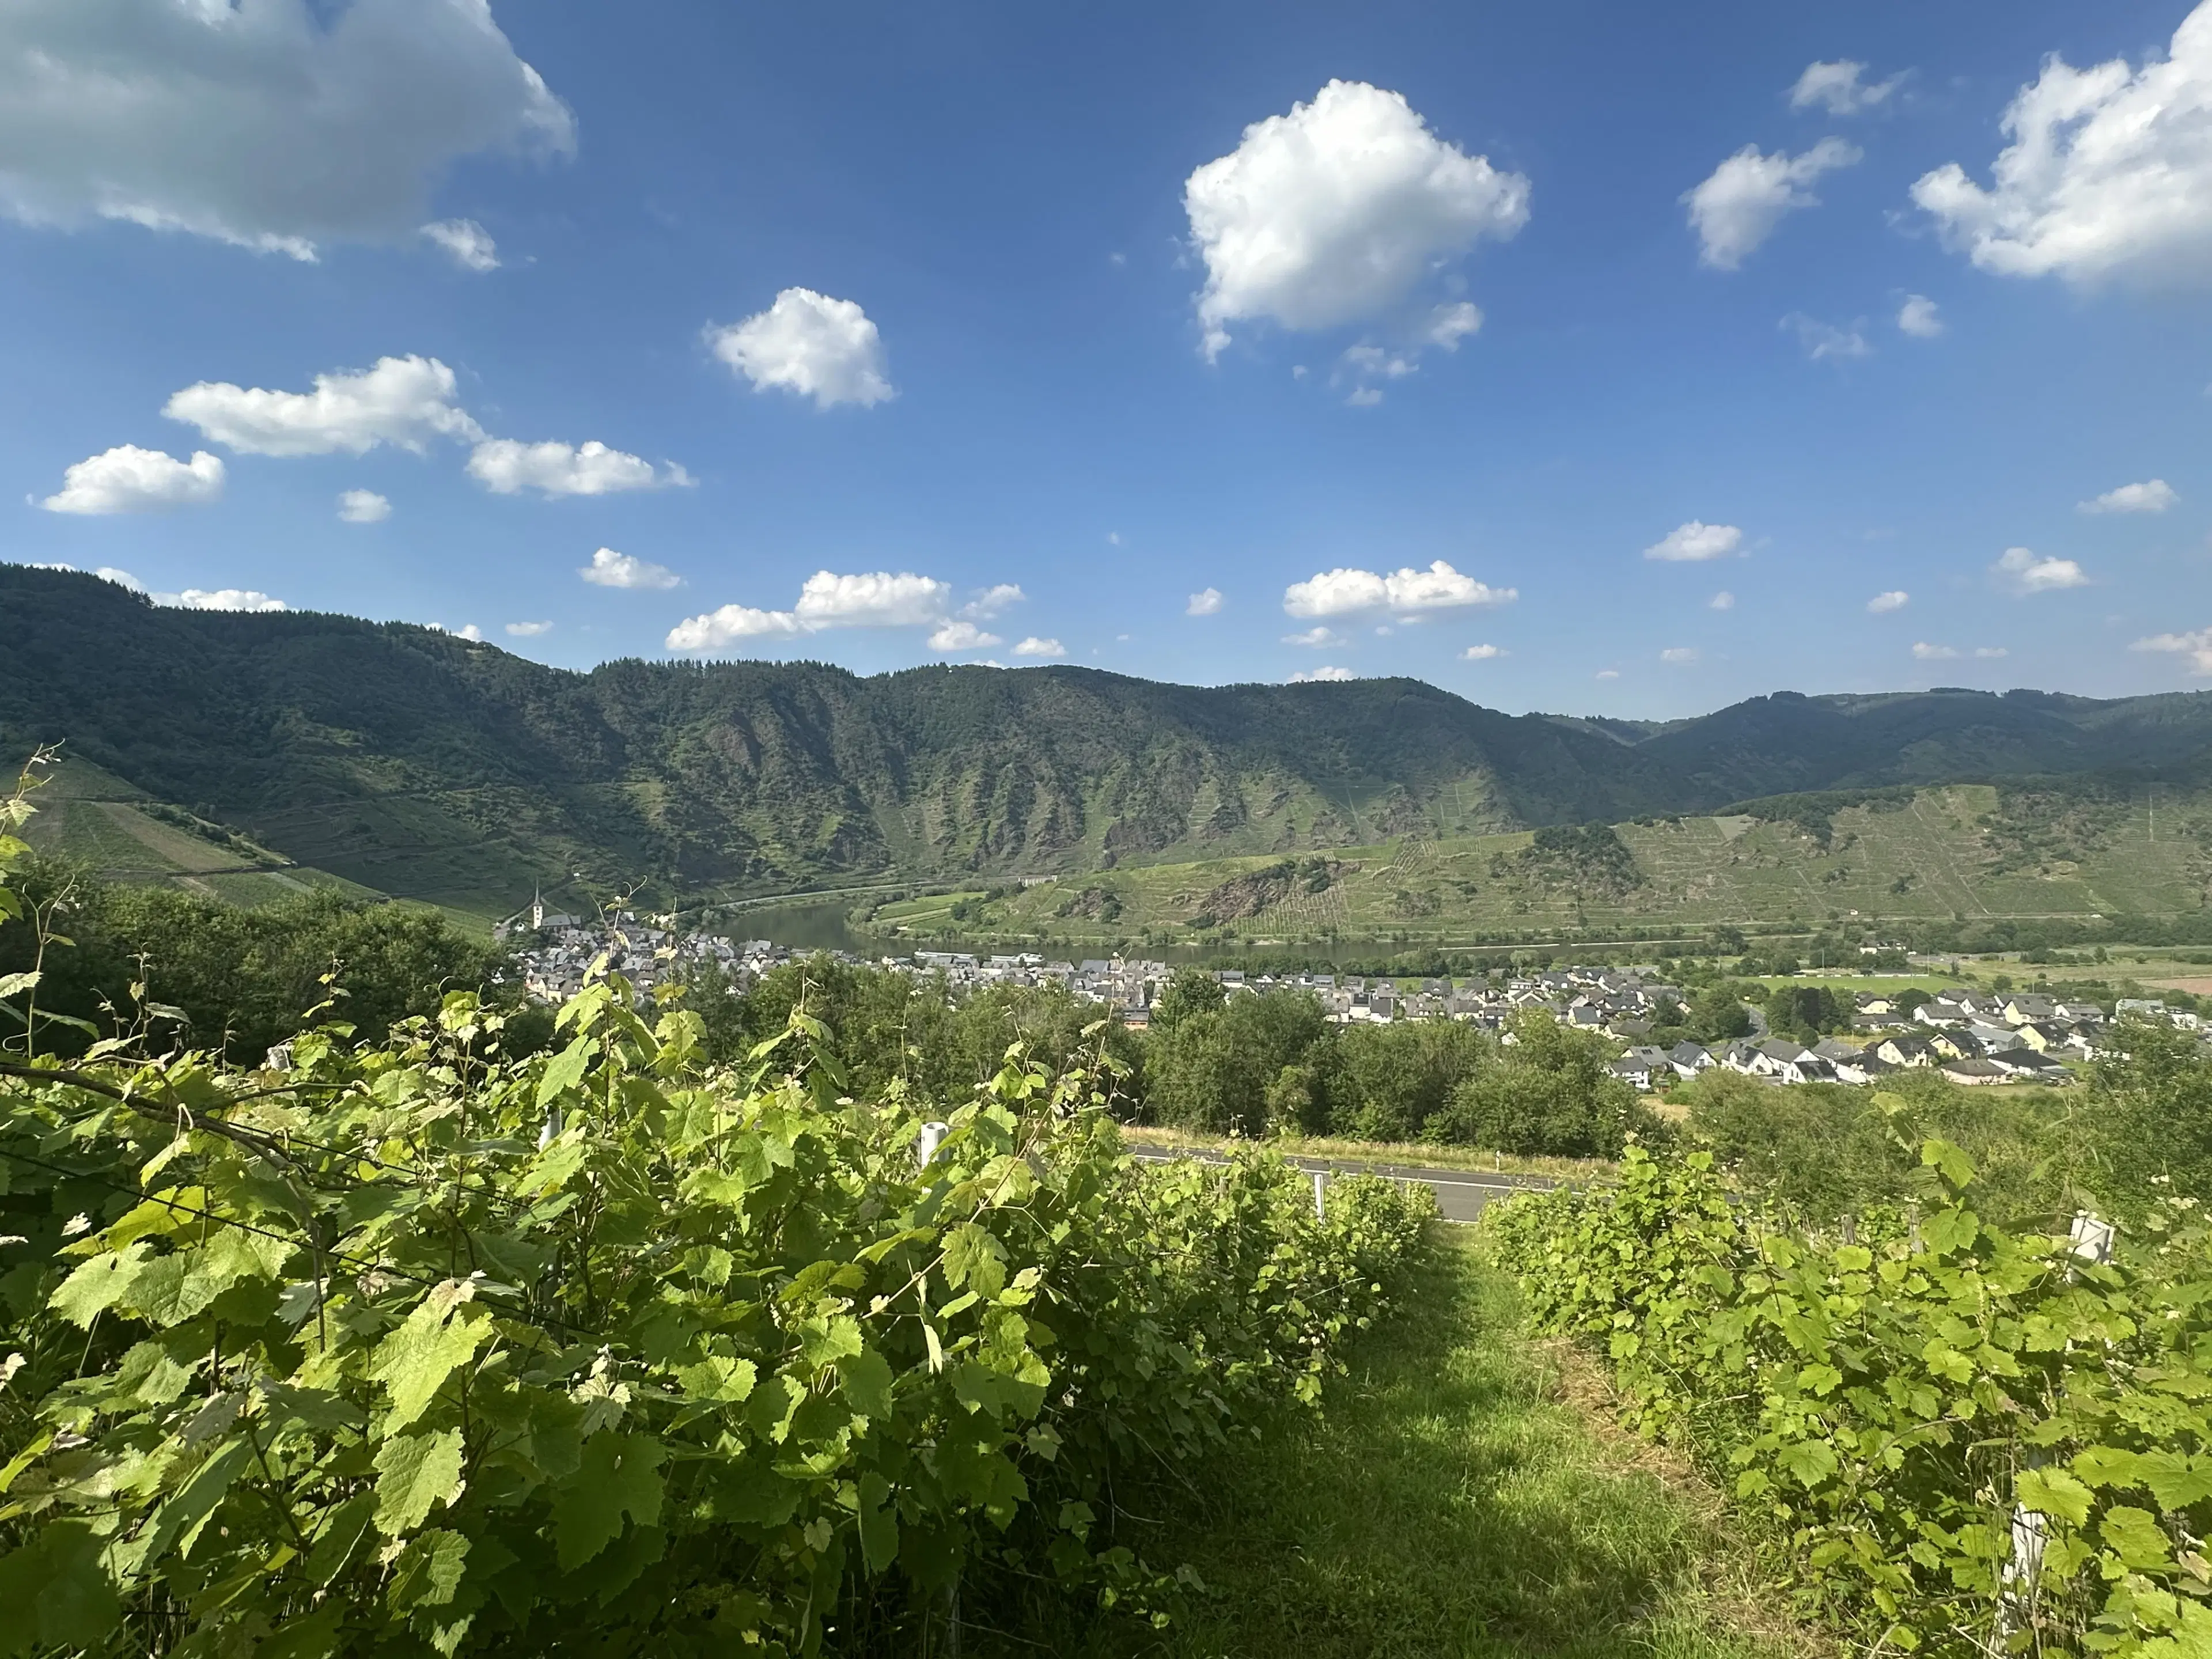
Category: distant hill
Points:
column 420, row 764
column 2078, row 851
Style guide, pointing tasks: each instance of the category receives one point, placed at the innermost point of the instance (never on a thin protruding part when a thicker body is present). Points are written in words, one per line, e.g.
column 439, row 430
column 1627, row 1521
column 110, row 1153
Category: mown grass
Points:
column 1455, row 1500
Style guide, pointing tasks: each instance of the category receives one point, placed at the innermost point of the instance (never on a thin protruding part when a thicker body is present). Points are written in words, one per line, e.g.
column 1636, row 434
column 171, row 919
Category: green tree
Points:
column 1189, row 991
column 240, row 981
column 1211, row 1069
column 1718, row 1015
column 1390, row 1080
column 1548, row 1093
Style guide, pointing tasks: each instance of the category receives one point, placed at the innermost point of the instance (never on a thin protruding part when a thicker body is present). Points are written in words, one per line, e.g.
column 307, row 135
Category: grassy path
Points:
column 1452, row 1502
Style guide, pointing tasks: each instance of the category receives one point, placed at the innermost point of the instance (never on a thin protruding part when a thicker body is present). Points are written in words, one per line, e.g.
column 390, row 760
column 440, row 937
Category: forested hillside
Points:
column 418, row 763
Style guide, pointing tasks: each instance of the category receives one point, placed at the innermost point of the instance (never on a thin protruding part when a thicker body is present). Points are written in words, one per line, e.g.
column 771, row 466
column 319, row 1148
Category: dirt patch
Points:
column 2200, row 986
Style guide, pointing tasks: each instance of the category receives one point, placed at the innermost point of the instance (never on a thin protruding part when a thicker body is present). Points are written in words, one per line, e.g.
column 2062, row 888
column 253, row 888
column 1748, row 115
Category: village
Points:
column 1970, row 1036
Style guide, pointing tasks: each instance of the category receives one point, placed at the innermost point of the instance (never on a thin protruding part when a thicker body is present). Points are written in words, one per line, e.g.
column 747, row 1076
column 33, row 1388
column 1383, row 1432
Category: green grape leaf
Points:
column 566, row 1069
column 2053, row 1493
column 98, row 1284
column 866, row 1378
column 2109, row 1465
column 879, row 1531
column 2136, row 1536
column 180, row 1520
column 56, row 1593
column 414, row 1474
column 717, row 1378
column 2175, row 1480
column 973, row 1257
column 428, row 1570
column 1948, row 1161
column 827, row 1341
column 337, row 1537
column 620, row 1476
column 1810, row 1461
column 172, row 1289
column 414, row 1361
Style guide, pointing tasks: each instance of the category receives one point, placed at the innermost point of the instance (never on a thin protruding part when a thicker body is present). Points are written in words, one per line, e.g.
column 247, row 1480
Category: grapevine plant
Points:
column 1968, row 1440
column 419, row 1348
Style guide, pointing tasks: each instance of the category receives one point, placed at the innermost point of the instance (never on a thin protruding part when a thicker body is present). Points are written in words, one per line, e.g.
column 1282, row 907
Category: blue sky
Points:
column 1119, row 306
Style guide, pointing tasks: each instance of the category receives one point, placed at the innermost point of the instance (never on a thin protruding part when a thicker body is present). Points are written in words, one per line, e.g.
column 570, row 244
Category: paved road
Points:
column 1460, row 1194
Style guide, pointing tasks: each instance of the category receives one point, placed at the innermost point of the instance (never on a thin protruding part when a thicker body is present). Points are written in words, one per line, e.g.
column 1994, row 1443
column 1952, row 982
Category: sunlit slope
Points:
column 118, row 832
column 1965, row 852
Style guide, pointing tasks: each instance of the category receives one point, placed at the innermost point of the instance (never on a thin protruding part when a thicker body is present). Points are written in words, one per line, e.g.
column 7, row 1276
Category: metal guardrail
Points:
column 1461, row 1194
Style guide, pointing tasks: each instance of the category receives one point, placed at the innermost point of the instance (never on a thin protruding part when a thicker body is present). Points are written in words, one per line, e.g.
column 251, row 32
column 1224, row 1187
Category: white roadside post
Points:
column 1321, row 1186
column 932, row 1137
column 2088, row 1240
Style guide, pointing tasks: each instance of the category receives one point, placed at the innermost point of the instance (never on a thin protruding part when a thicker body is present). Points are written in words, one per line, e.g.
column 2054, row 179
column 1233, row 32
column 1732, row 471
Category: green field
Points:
column 1961, row 853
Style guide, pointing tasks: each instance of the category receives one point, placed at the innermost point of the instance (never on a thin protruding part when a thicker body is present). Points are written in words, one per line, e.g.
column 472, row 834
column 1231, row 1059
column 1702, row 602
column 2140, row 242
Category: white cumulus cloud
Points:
column 994, row 599
column 1346, row 592
column 1317, row 638
column 2025, row 572
column 1206, row 602
column 1836, row 88
column 730, row 624
column 1335, row 214
column 220, row 598
column 404, row 401
column 529, row 630
column 1989, row 651
column 1927, row 652
column 2196, row 645
column 1738, row 206
column 807, row 342
column 1678, row 656
column 129, row 479
column 468, row 243
column 959, row 634
column 877, row 599
column 363, row 507
column 1722, row 600
column 1308, row 676
column 2152, row 495
column 506, row 466
column 1917, row 318
column 609, row 569
column 1881, row 604
column 1482, row 652
column 1696, row 541
column 1035, row 647
column 828, row 599
column 274, row 124
column 2108, row 172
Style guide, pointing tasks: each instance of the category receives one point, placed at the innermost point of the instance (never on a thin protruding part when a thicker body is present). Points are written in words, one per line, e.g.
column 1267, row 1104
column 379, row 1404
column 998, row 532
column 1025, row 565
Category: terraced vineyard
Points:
column 121, row 833
column 1965, row 852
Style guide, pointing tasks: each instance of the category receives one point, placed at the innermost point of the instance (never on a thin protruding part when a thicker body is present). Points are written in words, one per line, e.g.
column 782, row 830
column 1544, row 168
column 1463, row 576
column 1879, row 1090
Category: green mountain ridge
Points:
column 424, row 765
